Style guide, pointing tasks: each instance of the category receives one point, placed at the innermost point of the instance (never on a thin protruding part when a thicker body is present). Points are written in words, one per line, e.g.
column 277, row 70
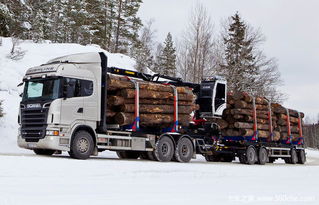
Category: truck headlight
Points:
column 52, row 133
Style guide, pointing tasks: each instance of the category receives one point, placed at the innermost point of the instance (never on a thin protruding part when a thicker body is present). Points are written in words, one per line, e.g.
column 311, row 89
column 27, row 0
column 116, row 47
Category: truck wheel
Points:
column 184, row 150
column 46, row 152
column 82, row 145
column 128, row 154
column 251, row 155
column 262, row 156
column 242, row 158
column 302, row 157
column 144, row 156
column 294, row 156
column 164, row 149
column 151, row 156
column 212, row 158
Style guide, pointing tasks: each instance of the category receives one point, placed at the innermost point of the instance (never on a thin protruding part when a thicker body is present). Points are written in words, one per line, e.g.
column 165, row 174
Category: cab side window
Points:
column 86, row 87
column 78, row 88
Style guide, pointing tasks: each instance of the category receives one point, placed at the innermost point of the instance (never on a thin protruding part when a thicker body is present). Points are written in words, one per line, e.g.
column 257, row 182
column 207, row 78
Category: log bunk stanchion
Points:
column 255, row 126
column 136, row 124
column 271, row 128
column 289, row 137
column 175, row 125
column 300, row 139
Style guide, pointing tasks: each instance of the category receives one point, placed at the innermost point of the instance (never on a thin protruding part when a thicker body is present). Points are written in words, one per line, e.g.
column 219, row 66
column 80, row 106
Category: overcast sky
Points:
column 291, row 28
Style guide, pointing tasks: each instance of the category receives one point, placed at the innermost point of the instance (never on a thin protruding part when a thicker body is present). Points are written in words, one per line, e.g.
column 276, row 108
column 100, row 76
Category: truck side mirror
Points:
column 21, row 94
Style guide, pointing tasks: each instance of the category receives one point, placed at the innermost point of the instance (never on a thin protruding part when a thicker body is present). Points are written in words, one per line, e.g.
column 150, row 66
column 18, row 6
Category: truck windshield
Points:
column 42, row 89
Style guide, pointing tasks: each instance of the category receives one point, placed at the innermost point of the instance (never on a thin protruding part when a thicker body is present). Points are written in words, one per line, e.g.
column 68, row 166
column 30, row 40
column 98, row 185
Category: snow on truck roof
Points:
column 91, row 57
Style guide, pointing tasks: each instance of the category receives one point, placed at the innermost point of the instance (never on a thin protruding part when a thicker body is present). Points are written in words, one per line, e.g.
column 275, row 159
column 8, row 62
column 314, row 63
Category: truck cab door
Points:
column 219, row 98
column 72, row 105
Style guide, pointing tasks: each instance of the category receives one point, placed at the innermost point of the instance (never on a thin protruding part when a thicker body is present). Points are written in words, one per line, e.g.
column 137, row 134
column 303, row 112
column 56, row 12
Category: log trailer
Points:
column 64, row 105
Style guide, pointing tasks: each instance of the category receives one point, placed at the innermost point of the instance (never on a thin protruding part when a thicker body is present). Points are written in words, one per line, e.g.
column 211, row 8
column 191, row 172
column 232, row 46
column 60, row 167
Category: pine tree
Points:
column 240, row 68
column 127, row 25
column 157, row 59
column 167, row 58
column 5, row 20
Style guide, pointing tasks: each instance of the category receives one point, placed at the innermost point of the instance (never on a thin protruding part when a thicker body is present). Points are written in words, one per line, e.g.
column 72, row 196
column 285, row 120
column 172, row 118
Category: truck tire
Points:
column 45, row 152
column 82, row 145
column 151, row 156
column 144, row 156
column 164, row 149
column 301, row 157
column 242, row 158
column 212, row 158
column 294, row 156
column 262, row 156
column 251, row 155
column 128, row 154
column 184, row 150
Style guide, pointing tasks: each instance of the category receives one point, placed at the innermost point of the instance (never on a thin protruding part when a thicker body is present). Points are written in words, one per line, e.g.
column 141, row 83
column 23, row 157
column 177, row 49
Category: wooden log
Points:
column 244, row 125
column 292, row 129
column 277, row 108
column 243, row 104
column 122, row 118
column 247, row 112
column 130, row 93
column 164, row 109
column 282, row 119
column 221, row 123
column 115, row 100
column 116, row 82
column 110, row 113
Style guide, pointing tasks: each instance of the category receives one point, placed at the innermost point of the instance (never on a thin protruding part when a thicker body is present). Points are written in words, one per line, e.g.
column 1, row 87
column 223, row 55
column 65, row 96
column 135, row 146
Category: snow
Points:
column 11, row 73
column 29, row 179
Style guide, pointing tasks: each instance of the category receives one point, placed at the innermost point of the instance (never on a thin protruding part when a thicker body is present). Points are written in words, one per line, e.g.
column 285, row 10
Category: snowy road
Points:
column 30, row 179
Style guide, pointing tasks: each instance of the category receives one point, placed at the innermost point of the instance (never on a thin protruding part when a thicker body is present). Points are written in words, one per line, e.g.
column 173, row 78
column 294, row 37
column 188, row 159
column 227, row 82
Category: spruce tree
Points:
column 240, row 67
column 127, row 25
column 5, row 20
column 167, row 58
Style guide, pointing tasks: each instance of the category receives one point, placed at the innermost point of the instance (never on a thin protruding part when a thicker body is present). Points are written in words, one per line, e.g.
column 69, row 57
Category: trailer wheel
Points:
column 242, row 158
column 302, row 157
column 45, row 152
column 251, row 155
column 184, row 150
column 128, row 154
column 294, row 156
column 164, row 149
column 212, row 158
column 262, row 156
column 82, row 145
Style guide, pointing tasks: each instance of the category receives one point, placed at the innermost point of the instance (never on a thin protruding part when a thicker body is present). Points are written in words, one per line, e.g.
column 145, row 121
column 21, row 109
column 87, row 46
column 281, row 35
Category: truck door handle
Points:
column 80, row 110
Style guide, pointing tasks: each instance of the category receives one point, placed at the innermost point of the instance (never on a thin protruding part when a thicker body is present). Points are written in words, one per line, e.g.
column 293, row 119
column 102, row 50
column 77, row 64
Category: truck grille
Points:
column 33, row 124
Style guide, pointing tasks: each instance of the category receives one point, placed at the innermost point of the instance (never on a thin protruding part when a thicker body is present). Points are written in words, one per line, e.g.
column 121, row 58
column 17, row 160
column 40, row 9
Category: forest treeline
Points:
column 233, row 50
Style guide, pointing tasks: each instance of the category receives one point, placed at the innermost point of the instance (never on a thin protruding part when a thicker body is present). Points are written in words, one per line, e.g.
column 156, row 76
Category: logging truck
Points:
column 77, row 104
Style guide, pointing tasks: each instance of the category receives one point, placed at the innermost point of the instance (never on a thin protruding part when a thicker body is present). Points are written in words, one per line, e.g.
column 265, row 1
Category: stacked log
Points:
column 238, row 118
column 282, row 115
column 156, row 103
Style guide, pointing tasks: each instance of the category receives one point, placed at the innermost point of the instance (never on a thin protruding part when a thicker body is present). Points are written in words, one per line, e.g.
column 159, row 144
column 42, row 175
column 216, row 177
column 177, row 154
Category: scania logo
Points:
column 33, row 105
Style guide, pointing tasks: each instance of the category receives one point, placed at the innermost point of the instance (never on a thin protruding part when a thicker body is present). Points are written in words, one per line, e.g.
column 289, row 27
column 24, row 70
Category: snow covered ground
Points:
column 29, row 179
